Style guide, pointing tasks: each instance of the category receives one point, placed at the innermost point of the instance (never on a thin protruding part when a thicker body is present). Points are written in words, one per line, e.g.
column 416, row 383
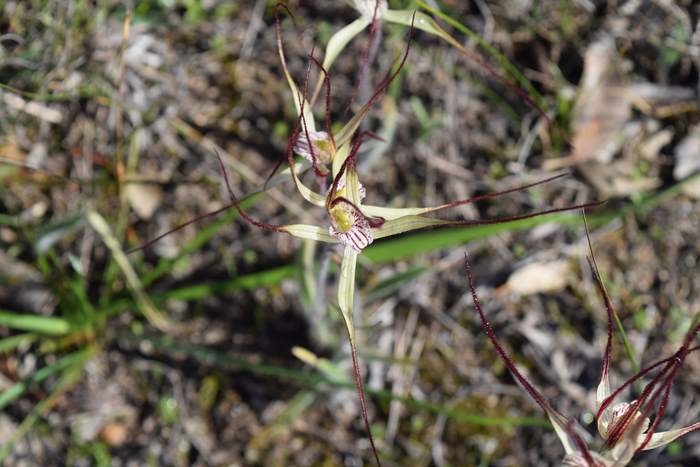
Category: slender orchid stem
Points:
column 361, row 395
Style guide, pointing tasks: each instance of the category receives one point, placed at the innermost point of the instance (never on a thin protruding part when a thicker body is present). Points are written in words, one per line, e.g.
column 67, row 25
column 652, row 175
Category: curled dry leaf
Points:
column 602, row 109
column 608, row 142
column 602, row 126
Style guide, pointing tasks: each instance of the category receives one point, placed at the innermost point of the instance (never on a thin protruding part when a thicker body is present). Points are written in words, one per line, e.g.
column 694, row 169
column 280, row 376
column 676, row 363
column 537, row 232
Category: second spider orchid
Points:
column 625, row 426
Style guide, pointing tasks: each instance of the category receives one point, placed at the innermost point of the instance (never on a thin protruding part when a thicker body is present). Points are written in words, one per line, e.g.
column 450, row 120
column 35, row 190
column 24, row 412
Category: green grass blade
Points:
column 16, row 390
column 268, row 434
column 8, row 344
column 49, row 325
column 9, row 220
column 85, row 91
column 391, row 284
column 649, row 202
column 412, row 245
column 70, row 376
column 255, row 280
column 631, row 355
column 266, row 278
column 47, row 236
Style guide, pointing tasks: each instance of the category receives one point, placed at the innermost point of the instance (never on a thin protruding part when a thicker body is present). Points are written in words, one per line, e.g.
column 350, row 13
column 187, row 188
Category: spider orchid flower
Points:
column 353, row 223
column 625, row 426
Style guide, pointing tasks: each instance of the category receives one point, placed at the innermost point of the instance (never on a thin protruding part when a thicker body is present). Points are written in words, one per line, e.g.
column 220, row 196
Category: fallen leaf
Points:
column 144, row 199
column 539, row 277
column 114, row 434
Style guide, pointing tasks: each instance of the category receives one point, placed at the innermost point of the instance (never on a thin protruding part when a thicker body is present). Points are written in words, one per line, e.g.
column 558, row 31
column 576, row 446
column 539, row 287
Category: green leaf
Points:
column 413, row 245
column 69, row 377
column 8, row 344
column 9, row 220
column 54, row 232
column 393, row 283
column 341, row 38
column 49, row 325
column 266, row 278
column 16, row 390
